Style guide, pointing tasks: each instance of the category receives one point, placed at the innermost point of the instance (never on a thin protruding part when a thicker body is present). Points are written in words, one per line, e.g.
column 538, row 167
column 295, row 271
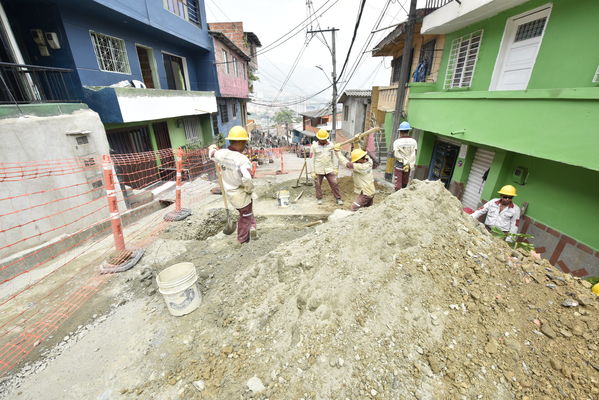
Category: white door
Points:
column 519, row 49
column 474, row 187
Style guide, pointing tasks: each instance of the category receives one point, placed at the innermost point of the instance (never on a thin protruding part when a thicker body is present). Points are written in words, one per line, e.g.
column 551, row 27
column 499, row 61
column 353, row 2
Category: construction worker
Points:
column 501, row 212
column 325, row 165
column 404, row 150
column 361, row 167
column 237, row 180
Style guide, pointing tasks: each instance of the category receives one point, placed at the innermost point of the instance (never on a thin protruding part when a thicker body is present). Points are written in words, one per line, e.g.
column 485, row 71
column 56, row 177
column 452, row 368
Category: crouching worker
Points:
column 237, row 180
column 361, row 167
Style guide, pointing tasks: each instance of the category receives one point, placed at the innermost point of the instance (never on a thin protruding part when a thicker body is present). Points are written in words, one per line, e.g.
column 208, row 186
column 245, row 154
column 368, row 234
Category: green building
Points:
column 516, row 101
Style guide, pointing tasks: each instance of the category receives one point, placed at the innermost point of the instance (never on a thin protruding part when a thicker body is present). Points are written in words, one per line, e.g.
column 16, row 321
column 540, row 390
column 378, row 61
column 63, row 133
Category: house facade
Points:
column 144, row 66
column 516, row 102
column 356, row 111
column 235, row 53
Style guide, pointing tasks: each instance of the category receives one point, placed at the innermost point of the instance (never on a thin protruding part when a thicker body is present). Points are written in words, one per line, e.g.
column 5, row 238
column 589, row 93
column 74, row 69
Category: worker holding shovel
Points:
column 237, row 180
column 361, row 167
column 404, row 149
column 325, row 165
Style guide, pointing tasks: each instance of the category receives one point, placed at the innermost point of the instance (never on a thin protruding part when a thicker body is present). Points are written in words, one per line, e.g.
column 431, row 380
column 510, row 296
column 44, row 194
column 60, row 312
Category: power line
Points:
column 222, row 12
column 353, row 39
column 293, row 67
column 273, row 45
column 357, row 62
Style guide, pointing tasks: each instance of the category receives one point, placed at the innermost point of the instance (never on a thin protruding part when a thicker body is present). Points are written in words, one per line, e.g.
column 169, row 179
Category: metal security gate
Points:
column 474, row 187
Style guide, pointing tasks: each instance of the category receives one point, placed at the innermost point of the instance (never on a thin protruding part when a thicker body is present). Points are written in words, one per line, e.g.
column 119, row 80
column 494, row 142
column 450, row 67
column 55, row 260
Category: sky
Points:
column 270, row 19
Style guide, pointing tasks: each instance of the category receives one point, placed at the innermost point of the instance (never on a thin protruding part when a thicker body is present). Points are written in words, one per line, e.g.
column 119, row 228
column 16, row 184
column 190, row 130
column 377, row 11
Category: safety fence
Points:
column 61, row 229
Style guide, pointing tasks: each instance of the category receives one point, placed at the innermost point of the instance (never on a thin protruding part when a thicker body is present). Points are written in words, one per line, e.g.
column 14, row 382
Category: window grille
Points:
column 530, row 29
column 226, row 61
column 192, row 128
column 193, row 12
column 111, row 53
column 462, row 60
column 187, row 9
column 224, row 113
column 234, row 109
column 427, row 55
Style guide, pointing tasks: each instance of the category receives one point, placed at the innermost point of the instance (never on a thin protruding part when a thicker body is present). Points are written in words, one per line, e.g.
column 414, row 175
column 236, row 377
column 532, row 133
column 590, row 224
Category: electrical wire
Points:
column 353, row 39
column 302, row 25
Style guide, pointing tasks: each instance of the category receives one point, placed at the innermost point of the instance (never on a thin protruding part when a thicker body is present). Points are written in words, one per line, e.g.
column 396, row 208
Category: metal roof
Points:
column 251, row 37
column 355, row 93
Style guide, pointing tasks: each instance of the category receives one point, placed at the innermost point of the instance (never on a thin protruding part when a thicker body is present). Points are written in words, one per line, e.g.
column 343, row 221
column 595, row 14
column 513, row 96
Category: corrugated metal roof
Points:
column 358, row 92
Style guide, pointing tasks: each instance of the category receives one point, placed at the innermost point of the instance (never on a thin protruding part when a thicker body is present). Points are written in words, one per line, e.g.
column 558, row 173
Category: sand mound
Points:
column 408, row 299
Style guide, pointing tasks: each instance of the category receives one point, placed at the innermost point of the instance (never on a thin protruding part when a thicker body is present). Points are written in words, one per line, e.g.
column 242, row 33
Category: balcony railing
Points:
column 21, row 83
column 432, row 5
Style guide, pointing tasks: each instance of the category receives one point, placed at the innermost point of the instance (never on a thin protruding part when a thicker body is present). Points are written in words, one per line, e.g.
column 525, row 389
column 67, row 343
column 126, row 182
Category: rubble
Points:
column 407, row 299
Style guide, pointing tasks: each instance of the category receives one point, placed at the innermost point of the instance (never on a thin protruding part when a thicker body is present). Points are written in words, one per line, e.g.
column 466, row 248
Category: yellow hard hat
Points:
column 508, row 190
column 238, row 133
column 595, row 289
column 357, row 154
column 322, row 134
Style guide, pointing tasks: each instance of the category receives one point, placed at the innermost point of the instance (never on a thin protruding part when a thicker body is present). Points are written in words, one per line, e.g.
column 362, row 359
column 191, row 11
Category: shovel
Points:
column 297, row 184
column 229, row 225
column 307, row 183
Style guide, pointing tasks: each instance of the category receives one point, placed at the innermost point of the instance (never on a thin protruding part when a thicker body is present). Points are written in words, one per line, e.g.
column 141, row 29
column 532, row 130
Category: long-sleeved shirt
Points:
column 236, row 173
column 507, row 219
column 361, row 174
column 323, row 158
column 404, row 150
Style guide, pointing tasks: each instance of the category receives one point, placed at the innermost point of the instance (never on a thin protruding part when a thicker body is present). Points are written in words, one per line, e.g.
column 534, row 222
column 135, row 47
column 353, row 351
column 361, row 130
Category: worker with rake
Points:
column 325, row 165
column 361, row 166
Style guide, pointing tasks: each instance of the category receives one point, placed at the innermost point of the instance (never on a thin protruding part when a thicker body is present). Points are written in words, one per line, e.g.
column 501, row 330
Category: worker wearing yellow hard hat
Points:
column 595, row 289
column 237, row 180
column 324, row 165
column 501, row 212
column 361, row 166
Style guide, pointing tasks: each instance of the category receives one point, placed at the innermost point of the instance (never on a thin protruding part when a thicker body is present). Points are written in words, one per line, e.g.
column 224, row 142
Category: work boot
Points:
column 253, row 234
column 340, row 202
column 319, row 201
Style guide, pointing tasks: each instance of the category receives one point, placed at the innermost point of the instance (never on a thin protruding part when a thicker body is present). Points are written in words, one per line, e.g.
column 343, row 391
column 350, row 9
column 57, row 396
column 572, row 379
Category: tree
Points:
column 284, row 117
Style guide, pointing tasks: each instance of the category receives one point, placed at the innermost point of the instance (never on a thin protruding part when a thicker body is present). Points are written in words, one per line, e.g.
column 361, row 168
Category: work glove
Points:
column 212, row 147
column 337, row 147
column 313, row 175
column 406, row 168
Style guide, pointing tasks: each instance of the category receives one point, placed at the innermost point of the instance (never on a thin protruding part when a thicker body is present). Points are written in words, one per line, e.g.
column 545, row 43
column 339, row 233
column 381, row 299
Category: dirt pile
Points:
column 409, row 299
column 346, row 187
column 200, row 225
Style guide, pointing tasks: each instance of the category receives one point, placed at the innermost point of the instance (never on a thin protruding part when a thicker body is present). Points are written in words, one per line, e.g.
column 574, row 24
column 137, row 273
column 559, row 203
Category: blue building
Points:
column 146, row 66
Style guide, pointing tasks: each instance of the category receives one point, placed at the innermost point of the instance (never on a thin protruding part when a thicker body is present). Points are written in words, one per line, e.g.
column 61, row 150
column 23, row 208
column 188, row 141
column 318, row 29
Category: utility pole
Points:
column 333, row 75
column 401, row 87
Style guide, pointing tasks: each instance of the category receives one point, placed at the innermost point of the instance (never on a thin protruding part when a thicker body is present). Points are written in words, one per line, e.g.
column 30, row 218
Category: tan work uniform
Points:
column 363, row 182
column 324, row 165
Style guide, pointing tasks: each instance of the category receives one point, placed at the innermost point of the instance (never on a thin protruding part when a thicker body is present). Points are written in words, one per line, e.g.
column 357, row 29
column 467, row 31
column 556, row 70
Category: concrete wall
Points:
column 353, row 123
column 40, row 138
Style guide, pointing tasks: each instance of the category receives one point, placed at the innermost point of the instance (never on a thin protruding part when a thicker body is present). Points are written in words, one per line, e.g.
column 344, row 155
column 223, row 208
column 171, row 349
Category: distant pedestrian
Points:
column 325, row 165
column 404, row 150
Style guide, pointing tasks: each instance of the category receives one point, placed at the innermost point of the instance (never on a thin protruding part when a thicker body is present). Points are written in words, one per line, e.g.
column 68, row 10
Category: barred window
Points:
column 111, row 53
column 186, row 9
column 531, row 29
column 462, row 60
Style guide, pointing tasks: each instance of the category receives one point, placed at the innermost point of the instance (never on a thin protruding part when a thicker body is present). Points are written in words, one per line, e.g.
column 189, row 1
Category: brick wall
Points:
column 234, row 31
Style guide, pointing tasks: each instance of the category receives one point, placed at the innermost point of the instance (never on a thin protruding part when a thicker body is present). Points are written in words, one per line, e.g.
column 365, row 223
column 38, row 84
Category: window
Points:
column 145, row 56
column 193, row 129
column 224, row 114
column 462, row 60
column 395, row 69
column 234, row 108
column 175, row 72
column 530, row 30
column 345, row 113
column 226, row 61
column 189, row 10
column 111, row 53
column 427, row 55
column 243, row 71
column 235, row 69
column 596, row 77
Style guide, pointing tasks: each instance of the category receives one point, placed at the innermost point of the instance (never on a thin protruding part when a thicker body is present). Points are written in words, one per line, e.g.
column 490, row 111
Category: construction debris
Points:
column 409, row 299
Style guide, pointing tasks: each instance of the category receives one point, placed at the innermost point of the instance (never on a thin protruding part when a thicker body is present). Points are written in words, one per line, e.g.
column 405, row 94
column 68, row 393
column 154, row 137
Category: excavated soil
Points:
column 346, row 187
column 409, row 299
column 200, row 225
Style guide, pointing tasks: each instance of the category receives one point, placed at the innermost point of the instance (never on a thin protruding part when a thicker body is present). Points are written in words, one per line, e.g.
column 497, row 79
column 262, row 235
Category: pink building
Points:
column 235, row 53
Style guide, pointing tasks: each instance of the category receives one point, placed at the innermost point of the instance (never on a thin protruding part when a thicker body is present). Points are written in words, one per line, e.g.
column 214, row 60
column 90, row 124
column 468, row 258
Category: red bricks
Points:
column 584, row 248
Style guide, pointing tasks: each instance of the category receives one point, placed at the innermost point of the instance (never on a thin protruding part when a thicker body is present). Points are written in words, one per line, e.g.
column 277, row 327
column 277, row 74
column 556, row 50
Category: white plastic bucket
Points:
column 177, row 284
column 283, row 198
